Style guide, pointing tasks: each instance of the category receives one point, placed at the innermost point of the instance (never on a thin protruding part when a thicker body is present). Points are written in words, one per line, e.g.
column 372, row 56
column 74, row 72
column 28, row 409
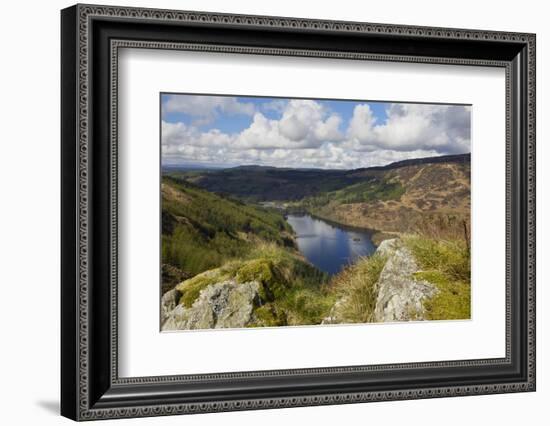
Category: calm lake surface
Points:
column 328, row 246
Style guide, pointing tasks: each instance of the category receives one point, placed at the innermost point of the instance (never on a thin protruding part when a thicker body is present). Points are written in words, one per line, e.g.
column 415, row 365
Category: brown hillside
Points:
column 435, row 196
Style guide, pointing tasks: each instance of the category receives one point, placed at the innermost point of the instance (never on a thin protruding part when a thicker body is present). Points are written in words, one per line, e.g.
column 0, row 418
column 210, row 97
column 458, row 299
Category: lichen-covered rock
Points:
column 168, row 303
column 400, row 295
column 387, row 247
column 227, row 304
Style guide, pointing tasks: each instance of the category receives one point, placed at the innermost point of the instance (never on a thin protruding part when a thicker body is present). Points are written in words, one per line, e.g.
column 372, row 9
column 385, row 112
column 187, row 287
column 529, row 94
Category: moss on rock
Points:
column 269, row 315
column 190, row 289
column 256, row 270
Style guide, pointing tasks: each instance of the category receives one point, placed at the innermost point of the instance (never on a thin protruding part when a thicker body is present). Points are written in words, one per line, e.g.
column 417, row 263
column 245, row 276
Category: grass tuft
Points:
column 307, row 306
column 356, row 287
column 446, row 265
column 452, row 301
column 450, row 257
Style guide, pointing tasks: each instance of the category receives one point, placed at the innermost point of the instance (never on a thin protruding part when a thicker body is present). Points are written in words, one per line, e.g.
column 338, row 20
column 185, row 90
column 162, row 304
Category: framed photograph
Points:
column 263, row 212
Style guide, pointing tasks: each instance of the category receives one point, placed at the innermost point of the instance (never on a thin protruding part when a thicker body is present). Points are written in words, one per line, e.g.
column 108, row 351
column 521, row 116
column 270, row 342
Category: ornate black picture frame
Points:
column 91, row 36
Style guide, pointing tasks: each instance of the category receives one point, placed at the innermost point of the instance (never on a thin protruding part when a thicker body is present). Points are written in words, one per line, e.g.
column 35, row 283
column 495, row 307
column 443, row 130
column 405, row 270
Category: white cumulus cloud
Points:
column 308, row 134
column 303, row 124
column 443, row 128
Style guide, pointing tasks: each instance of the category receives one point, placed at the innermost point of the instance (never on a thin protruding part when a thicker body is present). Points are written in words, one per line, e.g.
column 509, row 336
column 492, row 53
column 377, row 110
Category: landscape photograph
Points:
column 281, row 212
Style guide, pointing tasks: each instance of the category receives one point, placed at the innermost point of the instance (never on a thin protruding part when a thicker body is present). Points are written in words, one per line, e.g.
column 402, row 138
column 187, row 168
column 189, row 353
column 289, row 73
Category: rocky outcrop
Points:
column 227, row 304
column 387, row 247
column 400, row 295
column 168, row 303
column 337, row 314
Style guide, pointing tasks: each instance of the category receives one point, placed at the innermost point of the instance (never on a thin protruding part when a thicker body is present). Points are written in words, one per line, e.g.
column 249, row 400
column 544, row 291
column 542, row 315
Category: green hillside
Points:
column 371, row 189
column 202, row 230
column 213, row 239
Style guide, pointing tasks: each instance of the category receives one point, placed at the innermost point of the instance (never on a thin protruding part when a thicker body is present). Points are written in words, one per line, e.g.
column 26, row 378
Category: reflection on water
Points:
column 329, row 247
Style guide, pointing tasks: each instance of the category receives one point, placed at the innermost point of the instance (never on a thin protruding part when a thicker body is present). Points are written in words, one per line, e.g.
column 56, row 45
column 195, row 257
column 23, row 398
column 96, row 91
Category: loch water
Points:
column 328, row 246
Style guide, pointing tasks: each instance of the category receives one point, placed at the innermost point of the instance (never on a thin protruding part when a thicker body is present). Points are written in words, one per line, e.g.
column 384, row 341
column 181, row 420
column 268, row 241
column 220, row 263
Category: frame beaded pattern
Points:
column 86, row 13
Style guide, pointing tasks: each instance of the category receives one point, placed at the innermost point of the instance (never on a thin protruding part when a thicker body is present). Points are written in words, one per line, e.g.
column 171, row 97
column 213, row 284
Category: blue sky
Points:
column 231, row 123
column 228, row 131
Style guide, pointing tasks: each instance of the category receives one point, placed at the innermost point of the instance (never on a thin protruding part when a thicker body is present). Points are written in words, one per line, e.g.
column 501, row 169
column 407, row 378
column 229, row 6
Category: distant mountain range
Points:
column 455, row 158
column 264, row 183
